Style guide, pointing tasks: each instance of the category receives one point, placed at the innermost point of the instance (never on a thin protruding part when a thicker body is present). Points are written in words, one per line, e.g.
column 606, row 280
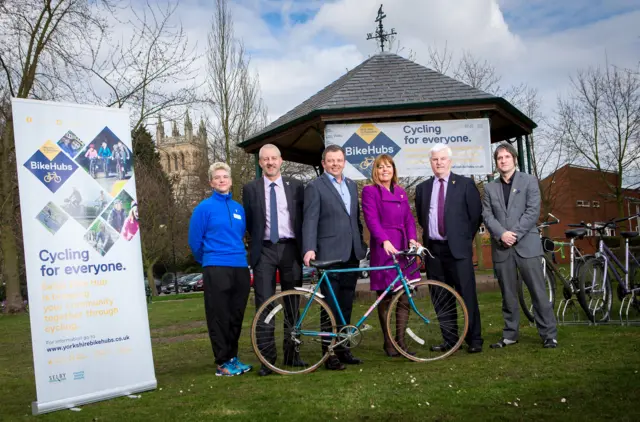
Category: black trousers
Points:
column 344, row 287
column 284, row 257
column 226, row 290
column 459, row 274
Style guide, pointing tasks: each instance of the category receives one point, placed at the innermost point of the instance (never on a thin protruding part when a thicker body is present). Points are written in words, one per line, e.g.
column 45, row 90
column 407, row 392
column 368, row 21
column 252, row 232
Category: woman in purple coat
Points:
column 387, row 213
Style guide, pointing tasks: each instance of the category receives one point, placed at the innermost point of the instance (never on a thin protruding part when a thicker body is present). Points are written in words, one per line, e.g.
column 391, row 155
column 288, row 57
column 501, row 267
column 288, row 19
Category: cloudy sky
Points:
column 300, row 46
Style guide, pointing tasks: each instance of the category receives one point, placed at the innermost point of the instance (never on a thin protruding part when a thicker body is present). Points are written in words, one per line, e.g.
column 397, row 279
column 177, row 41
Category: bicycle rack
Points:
column 628, row 301
column 569, row 308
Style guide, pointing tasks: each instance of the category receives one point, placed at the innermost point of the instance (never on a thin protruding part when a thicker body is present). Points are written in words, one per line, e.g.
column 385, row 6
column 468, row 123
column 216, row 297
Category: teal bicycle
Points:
column 300, row 322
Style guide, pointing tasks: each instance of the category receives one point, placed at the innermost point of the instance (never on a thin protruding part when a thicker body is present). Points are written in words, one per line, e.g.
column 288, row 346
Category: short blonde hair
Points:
column 218, row 166
column 384, row 159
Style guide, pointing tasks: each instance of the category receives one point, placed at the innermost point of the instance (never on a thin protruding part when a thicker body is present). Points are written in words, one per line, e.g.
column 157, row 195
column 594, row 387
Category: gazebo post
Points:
column 520, row 154
column 528, row 146
column 258, row 168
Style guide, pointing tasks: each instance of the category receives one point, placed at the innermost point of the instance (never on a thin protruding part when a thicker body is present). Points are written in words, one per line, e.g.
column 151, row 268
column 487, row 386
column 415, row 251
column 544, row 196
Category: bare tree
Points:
column 478, row 73
column 38, row 41
column 235, row 99
column 440, row 60
column 599, row 123
column 155, row 206
column 152, row 71
column 547, row 155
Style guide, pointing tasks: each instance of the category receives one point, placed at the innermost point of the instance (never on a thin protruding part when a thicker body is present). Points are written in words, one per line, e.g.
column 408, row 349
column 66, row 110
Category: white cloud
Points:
column 289, row 80
column 543, row 61
column 298, row 59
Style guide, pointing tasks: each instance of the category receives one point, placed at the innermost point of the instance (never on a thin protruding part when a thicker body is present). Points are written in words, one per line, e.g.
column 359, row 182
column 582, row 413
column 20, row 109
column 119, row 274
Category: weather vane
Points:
column 380, row 34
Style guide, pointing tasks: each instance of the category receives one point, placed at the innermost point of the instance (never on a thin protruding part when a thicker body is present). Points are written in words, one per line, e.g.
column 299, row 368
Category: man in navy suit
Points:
column 332, row 230
column 449, row 210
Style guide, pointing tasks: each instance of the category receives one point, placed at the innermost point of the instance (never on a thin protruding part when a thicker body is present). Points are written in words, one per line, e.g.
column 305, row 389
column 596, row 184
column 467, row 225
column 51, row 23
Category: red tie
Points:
column 441, row 228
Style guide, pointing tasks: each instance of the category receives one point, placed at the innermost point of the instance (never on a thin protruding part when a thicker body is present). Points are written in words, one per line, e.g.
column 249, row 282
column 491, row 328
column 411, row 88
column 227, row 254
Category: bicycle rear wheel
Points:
column 283, row 348
column 524, row 296
column 447, row 318
column 594, row 293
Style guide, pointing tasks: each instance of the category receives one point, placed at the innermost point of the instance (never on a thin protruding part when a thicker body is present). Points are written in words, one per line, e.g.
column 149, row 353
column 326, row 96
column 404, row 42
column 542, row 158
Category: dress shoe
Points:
column 264, row 371
column 444, row 347
column 297, row 363
column 334, row 364
column 475, row 349
column 550, row 343
column 349, row 359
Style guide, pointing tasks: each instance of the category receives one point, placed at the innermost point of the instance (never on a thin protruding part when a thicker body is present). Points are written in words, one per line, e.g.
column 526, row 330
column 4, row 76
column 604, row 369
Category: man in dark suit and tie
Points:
column 273, row 209
column 511, row 210
column 449, row 210
column 332, row 230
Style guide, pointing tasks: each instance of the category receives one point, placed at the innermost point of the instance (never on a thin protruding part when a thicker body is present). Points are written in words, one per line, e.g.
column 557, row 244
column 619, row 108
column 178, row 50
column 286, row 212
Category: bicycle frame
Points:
column 607, row 255
column 324, row 278
column 573, row 254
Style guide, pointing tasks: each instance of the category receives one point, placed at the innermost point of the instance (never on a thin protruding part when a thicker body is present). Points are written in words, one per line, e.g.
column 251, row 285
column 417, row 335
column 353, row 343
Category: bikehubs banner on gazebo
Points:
column 409, row 144
column 89, row 325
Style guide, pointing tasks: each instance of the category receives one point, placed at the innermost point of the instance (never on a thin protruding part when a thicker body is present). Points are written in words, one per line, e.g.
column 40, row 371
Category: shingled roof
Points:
column 384, row 80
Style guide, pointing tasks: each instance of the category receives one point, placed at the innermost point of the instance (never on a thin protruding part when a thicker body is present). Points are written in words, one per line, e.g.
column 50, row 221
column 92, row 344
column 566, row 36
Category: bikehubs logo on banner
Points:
column 51, row 166
column 362, row 148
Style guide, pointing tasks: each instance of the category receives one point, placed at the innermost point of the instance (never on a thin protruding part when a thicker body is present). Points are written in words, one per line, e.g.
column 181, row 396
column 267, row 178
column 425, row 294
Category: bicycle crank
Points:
column 350, row 336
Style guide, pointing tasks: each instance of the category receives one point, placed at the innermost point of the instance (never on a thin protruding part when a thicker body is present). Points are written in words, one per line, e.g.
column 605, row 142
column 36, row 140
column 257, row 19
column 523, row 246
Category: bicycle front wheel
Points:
column 441, row 319
column 594, row 292
column 283, row 348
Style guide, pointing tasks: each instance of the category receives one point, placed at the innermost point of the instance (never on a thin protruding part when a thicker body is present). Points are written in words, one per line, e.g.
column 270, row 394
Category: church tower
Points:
column 159, row 131
column 184, row 159
column 202, row 133
column 188, row 128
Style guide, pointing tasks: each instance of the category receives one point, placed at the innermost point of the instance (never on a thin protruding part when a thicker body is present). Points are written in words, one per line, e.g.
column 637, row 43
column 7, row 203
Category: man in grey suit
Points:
column 332, row 230
column 511, row 207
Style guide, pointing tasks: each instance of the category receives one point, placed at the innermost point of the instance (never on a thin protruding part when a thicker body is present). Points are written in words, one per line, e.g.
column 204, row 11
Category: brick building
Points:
column 575, row 194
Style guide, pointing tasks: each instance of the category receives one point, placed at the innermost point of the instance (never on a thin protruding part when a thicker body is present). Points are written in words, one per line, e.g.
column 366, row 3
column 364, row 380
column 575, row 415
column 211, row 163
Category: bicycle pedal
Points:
column 366, row 327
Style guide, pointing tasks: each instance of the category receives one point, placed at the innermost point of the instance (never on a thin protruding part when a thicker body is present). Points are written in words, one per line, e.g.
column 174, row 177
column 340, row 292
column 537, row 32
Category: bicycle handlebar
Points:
column 601, row 227
column 549, row 223
column 415, row 251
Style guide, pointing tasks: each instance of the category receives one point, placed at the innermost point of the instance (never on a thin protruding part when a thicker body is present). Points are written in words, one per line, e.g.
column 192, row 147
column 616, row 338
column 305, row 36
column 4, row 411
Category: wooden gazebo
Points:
column 388, row 88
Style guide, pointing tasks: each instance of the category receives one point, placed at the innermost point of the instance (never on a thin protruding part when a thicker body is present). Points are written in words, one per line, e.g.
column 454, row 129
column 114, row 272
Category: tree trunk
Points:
column 10, row 267
column 148, row 269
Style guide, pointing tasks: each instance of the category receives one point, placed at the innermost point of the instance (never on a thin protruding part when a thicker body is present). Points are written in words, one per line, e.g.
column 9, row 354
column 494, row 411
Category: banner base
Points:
column 68, row 403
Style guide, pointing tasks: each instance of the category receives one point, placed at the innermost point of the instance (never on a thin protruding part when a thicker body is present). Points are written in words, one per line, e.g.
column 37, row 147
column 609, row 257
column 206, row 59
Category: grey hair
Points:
column 218, row 166
column 440, row 147
column 269, row 146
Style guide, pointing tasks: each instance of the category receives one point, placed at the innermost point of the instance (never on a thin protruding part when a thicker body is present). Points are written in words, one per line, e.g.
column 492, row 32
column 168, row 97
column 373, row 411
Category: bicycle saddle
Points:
column 323, row 265
column 579, row 233
column 629, row 235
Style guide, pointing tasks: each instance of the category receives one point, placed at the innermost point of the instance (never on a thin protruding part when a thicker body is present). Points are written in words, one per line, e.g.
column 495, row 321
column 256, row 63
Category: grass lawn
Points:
column 593, row 375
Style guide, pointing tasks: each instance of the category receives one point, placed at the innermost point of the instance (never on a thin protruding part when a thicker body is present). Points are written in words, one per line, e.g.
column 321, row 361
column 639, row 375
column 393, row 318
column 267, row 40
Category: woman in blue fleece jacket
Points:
column 216, row 235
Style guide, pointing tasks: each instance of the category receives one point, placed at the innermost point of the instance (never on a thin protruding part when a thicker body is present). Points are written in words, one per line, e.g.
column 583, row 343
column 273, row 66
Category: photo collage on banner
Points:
column 89, row 323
